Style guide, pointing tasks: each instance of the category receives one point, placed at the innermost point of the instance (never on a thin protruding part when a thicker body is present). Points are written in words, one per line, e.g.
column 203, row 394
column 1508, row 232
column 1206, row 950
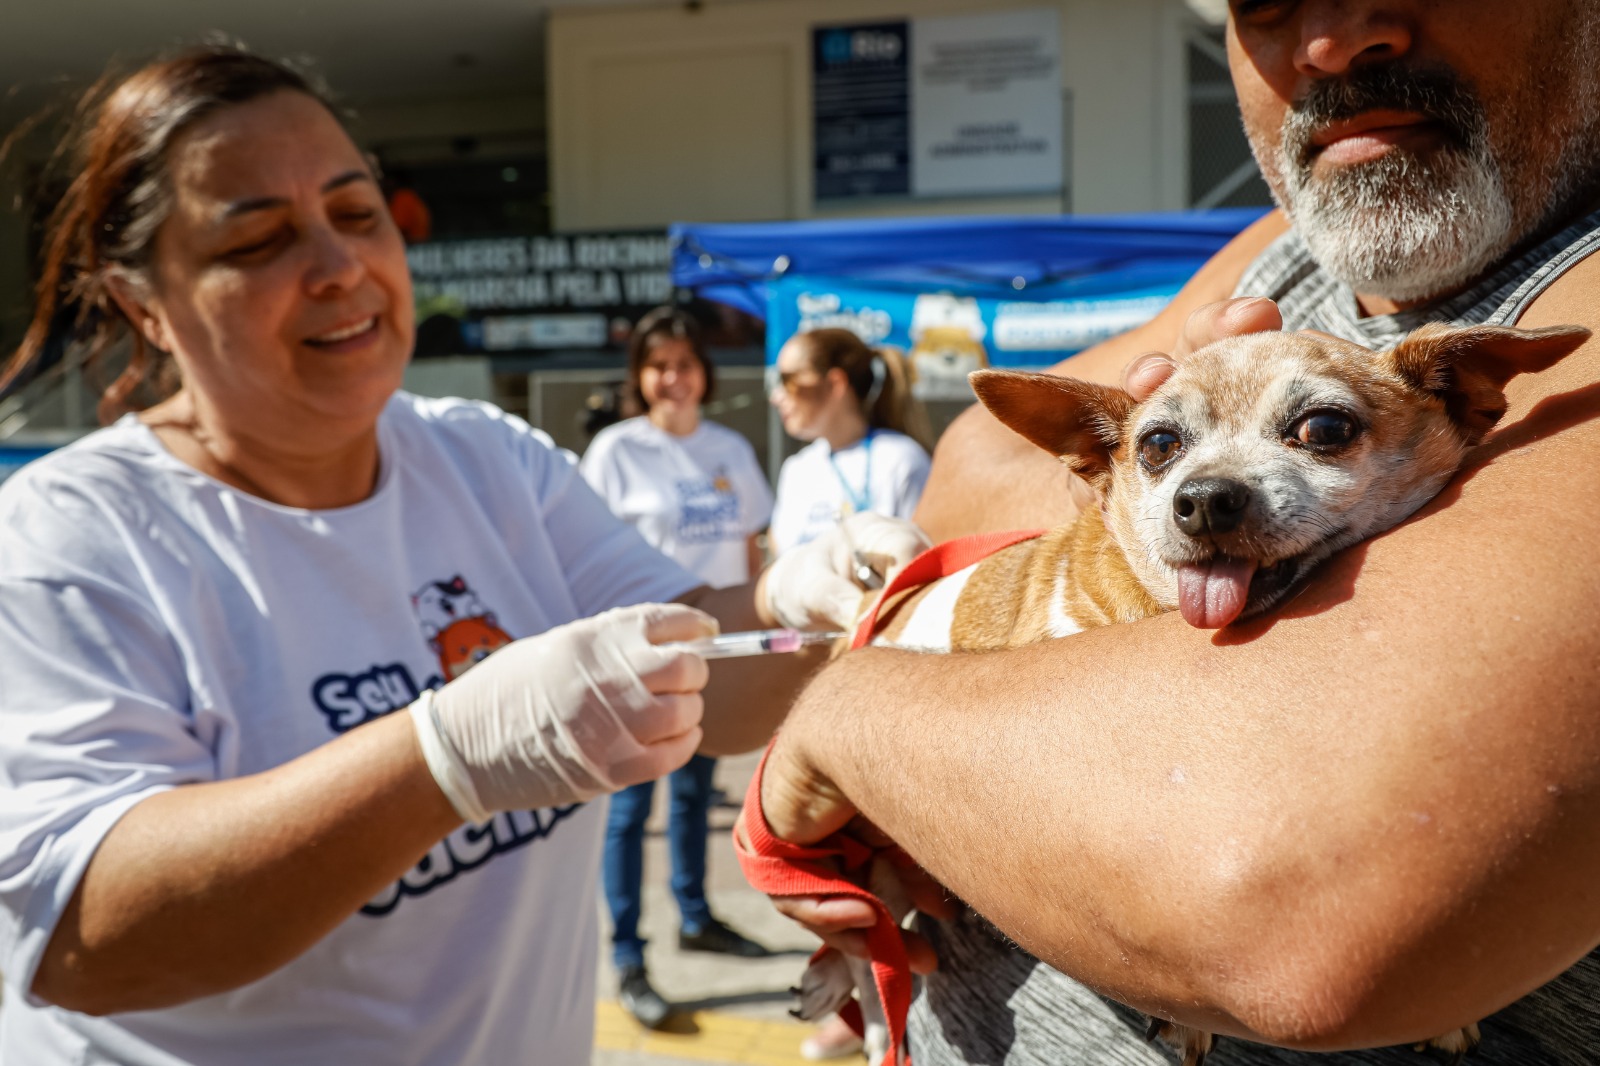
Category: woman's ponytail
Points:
column 894, row 407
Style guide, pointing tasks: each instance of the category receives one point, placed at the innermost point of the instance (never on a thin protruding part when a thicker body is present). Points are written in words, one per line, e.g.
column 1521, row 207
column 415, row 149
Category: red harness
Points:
column 837, row 866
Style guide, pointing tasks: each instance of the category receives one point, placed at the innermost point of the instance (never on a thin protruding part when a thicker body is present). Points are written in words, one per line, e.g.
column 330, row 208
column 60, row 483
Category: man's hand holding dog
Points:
column 1225, row 318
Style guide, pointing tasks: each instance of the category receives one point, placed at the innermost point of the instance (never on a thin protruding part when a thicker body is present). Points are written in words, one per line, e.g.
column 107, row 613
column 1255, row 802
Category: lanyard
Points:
column 859, row 501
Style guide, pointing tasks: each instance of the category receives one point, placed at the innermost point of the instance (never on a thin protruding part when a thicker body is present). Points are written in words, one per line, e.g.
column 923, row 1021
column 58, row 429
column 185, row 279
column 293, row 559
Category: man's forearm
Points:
column 1251, row 833
column 208, row 887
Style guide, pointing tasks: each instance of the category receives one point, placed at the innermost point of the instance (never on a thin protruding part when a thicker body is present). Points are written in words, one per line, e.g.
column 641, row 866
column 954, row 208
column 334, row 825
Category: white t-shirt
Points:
column 159, row 628
column 698, row 498
column 817, row 486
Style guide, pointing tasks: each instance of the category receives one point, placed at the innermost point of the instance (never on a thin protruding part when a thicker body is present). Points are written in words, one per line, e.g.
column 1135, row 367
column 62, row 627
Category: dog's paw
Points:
column 824, row 987
column 1192, row 1045
column 1451, row 1048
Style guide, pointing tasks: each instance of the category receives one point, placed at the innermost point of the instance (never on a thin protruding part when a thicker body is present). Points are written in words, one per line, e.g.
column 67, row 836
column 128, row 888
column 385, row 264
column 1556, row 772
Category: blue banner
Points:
column 948, row 334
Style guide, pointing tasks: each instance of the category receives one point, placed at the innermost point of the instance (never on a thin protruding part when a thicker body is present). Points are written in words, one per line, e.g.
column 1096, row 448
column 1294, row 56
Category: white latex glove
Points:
column 815, row 585
column 576, row 712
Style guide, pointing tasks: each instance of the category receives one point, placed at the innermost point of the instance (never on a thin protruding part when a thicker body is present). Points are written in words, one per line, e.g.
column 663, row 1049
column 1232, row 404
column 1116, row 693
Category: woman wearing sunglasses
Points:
column 868, row 436
column 867, row 452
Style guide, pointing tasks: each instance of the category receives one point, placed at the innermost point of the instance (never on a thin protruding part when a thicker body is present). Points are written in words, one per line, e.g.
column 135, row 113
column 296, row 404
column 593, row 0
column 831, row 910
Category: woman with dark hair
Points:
column 868, row 435
column 696, row 493
column 218, row 845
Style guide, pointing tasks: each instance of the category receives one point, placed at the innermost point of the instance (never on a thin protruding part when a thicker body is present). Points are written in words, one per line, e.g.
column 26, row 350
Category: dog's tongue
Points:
column 1212, row 594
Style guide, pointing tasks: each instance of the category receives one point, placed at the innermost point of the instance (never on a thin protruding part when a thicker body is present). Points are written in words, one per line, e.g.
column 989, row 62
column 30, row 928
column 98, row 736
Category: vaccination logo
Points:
column 708, row 510
column 462, row 632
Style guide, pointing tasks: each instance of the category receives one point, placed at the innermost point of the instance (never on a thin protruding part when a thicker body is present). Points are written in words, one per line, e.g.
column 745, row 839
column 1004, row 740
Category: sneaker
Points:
column 640, row 1000
column 832, row 1040
column 719, row 939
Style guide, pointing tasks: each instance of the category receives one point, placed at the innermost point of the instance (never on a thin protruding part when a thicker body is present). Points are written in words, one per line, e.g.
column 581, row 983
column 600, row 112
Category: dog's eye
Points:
column 1159, row 447
column 1324, row 429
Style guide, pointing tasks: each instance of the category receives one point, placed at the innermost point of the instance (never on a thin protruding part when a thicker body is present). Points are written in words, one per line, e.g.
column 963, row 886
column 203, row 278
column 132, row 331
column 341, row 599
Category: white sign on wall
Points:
column 986, row 104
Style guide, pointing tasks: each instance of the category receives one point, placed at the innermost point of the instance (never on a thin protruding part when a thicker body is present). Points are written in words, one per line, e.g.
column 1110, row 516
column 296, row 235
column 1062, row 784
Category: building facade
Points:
column 518, row 120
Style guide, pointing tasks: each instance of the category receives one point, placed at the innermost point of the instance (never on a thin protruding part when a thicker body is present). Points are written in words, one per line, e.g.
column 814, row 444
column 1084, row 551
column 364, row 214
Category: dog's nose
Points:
column 1210, row 505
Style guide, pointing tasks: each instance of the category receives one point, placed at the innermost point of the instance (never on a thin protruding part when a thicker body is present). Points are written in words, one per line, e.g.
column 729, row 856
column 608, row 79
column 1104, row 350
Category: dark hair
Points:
column 879, row 377
column 662, row 324
column 120, row 193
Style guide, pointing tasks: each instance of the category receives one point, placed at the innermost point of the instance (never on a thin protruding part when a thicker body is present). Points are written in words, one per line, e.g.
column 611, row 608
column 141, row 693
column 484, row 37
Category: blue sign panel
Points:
column 949, row 334
column 861, row 110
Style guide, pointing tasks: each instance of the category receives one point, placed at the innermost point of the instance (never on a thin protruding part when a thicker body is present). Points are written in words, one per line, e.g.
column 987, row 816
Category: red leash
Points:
column 779, row 868
column 824, row 869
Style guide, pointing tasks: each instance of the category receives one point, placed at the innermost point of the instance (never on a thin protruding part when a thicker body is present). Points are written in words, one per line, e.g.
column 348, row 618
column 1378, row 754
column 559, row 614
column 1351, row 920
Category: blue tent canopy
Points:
column 733, row 263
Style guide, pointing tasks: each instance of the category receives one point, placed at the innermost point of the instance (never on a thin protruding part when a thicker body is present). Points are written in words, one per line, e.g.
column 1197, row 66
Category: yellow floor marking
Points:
column 721, row 1038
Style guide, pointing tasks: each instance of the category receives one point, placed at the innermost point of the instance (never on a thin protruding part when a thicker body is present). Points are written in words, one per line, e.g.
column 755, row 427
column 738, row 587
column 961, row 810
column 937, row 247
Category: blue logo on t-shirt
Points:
column 466, row 849
column 708, row 510
column 349, row 700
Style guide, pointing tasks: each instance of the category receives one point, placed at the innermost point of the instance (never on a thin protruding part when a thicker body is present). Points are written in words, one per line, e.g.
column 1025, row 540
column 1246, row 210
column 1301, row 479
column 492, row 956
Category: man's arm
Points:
column 1369, row 819
column 985, row 477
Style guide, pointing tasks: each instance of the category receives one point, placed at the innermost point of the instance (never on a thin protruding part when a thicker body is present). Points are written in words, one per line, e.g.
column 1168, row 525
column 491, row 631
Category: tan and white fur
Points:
column 1258, row 458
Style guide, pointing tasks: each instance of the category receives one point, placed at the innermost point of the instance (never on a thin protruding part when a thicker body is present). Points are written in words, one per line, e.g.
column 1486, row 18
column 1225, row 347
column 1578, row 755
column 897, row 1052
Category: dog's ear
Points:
column 1469, row 368
column 1079, row 423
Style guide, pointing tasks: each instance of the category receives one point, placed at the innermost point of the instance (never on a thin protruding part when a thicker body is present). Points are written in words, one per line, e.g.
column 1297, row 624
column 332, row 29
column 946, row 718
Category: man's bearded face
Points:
column 1433, row 212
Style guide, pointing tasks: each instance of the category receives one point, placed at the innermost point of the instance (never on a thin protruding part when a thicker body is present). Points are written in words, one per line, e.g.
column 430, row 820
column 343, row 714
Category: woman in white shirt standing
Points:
column 868, row 435
column 695, row 491
column 867, row 453
column 308, row 683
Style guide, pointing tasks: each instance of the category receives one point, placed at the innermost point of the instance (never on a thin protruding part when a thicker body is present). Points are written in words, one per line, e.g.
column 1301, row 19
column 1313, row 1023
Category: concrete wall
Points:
column 662, row 114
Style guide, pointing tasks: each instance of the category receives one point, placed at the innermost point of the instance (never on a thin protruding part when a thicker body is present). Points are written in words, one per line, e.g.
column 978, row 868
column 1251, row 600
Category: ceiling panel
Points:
column 369, row 50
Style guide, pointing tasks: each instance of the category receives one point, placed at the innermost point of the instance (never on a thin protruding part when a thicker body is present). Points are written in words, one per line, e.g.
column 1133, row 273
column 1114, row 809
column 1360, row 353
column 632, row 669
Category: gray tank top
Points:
column 991, row 1003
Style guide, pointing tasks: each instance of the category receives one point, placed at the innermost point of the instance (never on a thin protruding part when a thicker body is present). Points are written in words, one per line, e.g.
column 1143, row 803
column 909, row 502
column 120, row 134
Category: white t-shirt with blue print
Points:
column 159, row 628
column 697, row 498
column 883, row 473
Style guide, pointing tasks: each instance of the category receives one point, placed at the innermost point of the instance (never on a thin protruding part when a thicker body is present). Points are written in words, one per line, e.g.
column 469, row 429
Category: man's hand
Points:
column 803, row 816
column 1225, row 318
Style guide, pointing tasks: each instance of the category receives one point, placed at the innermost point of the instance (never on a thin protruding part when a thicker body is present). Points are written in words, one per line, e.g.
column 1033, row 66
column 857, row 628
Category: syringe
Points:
column 753, row 642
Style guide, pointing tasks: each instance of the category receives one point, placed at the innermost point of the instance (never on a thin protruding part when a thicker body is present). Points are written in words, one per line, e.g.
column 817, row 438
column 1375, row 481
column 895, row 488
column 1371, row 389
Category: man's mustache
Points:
column 1439, row 95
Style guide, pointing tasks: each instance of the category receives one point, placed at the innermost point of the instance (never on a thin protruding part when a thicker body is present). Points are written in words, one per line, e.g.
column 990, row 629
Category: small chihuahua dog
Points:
column 1258, row 458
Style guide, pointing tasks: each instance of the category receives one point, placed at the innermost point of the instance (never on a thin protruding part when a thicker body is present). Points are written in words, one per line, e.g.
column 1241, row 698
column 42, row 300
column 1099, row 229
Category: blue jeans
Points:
column 622, row 872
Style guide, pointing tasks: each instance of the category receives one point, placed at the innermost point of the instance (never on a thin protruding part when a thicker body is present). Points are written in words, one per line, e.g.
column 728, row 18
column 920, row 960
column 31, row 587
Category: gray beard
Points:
column 1401, row 227
column 1410, row 228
